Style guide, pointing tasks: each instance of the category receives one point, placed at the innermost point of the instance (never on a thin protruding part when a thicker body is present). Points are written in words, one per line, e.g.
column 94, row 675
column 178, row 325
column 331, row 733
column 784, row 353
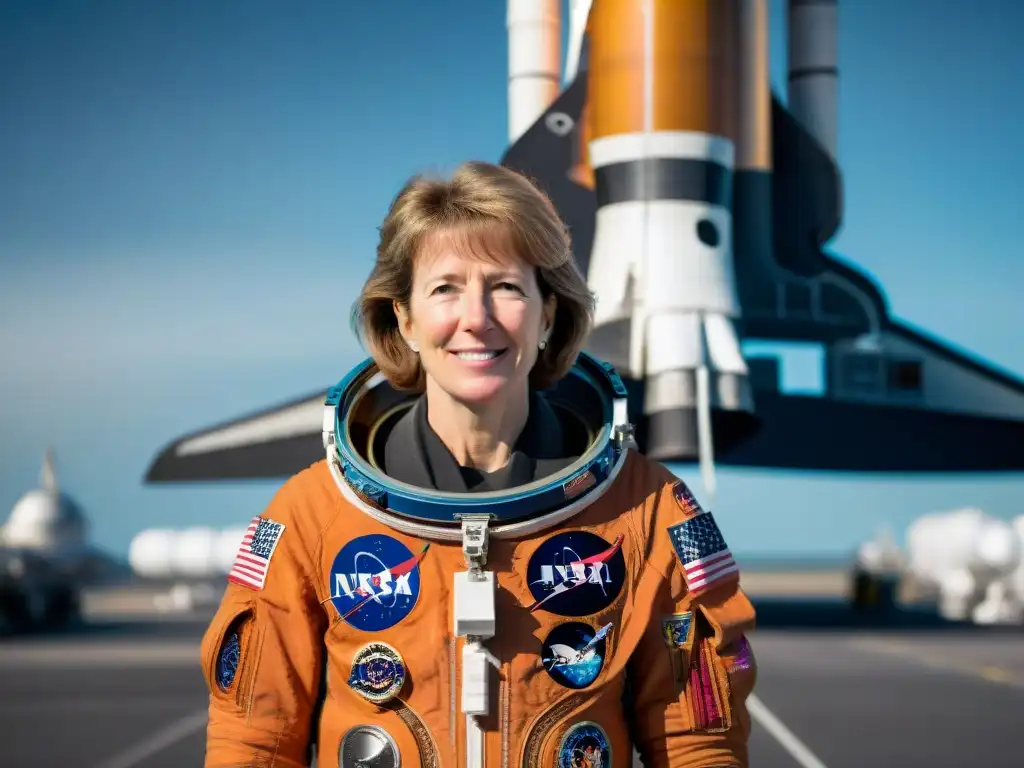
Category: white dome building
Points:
column 47, row 520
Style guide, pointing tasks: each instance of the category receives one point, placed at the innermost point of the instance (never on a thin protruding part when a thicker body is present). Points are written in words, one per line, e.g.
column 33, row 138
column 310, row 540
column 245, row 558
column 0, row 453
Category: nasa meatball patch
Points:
column 576, row 573
column 375, row 582
column 253, row 557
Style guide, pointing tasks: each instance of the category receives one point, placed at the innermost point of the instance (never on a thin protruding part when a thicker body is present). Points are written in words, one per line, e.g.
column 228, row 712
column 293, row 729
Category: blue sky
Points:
column 189, row 196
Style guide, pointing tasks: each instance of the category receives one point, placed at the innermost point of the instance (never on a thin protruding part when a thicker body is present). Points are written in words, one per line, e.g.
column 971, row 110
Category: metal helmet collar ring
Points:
column 360, row 410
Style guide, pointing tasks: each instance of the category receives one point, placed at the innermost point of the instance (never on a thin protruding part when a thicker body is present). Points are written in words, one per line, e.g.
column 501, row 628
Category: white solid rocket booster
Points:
column 534, row 61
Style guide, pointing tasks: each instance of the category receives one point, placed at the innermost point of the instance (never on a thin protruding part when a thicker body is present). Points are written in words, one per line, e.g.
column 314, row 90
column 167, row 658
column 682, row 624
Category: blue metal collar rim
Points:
column 436, row 507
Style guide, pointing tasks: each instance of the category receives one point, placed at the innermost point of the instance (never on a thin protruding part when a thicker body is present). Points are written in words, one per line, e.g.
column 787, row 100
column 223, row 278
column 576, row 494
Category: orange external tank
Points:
column 688, row 71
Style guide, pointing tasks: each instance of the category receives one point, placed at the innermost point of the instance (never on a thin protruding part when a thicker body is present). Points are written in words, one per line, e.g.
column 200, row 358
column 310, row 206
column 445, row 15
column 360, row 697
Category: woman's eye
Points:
column 509, row 287
column 446, row 288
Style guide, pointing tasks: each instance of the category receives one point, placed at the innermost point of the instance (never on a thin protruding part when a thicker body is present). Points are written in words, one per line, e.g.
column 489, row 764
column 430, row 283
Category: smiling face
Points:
column 476, row 316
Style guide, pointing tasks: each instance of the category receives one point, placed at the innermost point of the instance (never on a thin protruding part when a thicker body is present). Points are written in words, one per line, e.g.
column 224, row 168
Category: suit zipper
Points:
column 452, row 726
column 503, row 697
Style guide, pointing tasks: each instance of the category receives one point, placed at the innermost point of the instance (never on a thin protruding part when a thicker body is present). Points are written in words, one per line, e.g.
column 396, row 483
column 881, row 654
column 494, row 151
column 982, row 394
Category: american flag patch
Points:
column 701, row 548
column 254, row 553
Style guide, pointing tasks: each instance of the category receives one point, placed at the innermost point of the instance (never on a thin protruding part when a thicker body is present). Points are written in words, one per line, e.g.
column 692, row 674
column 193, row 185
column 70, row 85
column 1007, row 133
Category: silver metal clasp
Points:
column 474, row 611
column 474, row 542
column 474, row 617
column 622, row 430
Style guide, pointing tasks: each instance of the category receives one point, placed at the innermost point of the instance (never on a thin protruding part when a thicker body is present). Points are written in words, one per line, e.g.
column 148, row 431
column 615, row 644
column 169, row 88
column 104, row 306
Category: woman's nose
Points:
column 476, row 311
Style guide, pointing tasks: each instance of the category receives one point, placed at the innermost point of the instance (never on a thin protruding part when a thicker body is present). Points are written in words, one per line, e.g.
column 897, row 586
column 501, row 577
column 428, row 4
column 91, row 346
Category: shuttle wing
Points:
column 275, row 442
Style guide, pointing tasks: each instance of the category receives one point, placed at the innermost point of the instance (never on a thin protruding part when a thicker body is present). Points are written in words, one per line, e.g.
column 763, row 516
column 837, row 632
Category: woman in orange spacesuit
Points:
column 482, row 571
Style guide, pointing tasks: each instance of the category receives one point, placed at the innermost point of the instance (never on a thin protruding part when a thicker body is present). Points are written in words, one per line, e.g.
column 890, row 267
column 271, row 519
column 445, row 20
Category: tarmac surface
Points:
column 833, row 691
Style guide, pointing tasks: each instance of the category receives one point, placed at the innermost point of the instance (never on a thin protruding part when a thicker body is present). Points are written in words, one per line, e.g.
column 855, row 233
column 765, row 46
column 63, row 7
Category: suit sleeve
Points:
column 693, row 668
column 262, row 653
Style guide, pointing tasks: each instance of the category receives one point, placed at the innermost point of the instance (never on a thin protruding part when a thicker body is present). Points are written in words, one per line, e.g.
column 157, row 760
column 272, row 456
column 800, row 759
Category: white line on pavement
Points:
column 159, row 741
column 786, row 738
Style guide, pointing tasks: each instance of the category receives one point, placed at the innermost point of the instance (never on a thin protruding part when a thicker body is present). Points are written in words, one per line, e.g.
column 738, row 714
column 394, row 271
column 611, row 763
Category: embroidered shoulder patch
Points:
column 378, row 672
column 742, row 657
column 253, row 557
column 676, row 629
column 585, row 744
column 685, row 499
column 228, row 659
column 575, row 487
column 706, row 559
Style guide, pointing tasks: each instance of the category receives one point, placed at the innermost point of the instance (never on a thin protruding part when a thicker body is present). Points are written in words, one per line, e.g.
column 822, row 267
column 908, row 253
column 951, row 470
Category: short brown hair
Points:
column 479, row 199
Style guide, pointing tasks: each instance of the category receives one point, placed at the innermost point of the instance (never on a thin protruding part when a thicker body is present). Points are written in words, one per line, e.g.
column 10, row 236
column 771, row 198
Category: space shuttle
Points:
column 701, row 206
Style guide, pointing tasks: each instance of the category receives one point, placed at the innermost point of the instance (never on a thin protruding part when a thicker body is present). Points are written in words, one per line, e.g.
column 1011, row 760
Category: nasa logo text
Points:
column 375, row 582
column 576, row 573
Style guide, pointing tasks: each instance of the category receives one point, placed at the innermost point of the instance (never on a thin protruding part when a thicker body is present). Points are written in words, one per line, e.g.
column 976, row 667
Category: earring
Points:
column 414, row 346
column 542, row 345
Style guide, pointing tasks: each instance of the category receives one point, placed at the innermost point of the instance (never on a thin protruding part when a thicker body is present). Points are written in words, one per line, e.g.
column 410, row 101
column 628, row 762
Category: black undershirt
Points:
column 414, row 453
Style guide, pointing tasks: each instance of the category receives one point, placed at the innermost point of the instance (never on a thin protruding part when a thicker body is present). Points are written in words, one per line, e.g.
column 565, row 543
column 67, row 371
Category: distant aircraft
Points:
column 46, row 559
column 700, row 208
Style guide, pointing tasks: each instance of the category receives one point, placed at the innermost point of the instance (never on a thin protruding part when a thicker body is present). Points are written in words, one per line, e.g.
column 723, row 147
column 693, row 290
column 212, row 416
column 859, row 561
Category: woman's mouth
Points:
column 478, row 355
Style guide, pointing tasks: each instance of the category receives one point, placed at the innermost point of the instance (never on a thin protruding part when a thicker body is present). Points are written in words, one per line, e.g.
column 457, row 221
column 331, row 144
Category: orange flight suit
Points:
column 686, row 680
